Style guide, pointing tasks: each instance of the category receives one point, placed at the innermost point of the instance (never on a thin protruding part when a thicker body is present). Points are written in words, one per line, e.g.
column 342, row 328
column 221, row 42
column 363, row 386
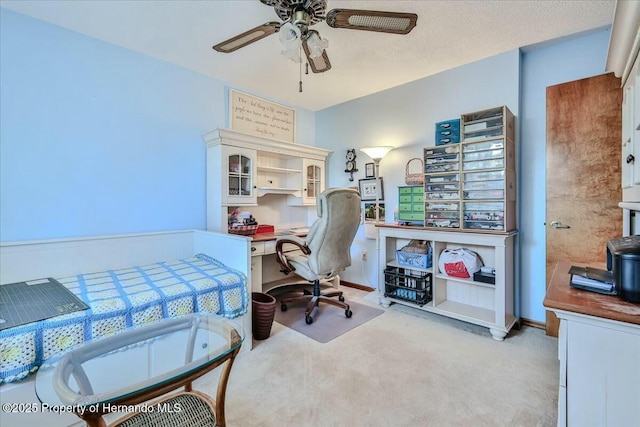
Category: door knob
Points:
column 558, row 224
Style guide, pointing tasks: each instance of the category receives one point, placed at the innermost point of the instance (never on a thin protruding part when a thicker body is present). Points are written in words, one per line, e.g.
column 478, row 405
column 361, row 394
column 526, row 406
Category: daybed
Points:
column 126, row 280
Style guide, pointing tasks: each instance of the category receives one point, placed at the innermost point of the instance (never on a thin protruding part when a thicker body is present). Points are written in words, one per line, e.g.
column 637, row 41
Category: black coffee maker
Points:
column 623, row 260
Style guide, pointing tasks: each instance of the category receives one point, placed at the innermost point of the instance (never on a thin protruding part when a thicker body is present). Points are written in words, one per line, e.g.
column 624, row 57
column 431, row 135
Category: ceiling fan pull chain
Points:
column 300, row 69
column 306, row 68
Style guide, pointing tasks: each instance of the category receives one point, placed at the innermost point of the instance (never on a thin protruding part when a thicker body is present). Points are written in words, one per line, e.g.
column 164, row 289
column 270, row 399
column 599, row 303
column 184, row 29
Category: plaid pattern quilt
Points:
column 124, row 298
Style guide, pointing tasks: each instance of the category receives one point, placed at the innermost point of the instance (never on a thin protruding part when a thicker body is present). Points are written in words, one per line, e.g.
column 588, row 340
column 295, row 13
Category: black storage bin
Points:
column 408, row 285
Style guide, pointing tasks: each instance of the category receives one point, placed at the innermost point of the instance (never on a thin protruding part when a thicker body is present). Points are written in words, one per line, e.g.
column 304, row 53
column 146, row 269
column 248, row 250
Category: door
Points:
column 583, row 181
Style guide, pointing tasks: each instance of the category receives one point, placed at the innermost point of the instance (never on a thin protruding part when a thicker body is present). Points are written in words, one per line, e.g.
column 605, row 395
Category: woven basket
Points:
column 244, row 230
column 413, row 177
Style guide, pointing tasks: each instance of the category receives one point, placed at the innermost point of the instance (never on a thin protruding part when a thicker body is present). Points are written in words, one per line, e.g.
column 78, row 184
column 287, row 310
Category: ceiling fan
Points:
column 300, row 15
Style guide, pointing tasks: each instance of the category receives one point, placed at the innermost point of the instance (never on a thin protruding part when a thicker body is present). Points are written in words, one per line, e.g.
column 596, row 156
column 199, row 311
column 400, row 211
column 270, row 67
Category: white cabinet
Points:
column 599, row 354
column 484, row 304
column 277, row 175
column 242, row 168
column 600, row 381
column 310, row 181
column 238, row 175
column 628, row 158
column 631, row 137
column 623, row 60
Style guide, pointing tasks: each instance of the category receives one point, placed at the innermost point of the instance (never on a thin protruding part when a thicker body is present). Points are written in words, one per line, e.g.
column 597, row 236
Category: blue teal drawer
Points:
column 448, row 132
column 453, row 124
column 445, row 140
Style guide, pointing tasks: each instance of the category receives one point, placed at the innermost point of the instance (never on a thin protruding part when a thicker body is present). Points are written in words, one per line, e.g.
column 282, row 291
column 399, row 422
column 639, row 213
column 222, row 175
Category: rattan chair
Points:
column 325, row 251
column 184, row 409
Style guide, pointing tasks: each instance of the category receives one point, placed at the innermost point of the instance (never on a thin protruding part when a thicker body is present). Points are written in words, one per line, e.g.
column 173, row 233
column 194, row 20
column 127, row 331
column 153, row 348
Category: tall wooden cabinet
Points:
column 243, row 168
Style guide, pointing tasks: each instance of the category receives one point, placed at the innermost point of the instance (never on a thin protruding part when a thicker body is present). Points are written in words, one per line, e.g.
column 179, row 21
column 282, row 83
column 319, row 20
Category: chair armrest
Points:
column 282, row 259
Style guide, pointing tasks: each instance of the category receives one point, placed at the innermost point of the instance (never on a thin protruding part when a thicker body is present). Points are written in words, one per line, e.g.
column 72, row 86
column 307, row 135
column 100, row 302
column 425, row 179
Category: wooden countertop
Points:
column 561, row 296
column 445, row 229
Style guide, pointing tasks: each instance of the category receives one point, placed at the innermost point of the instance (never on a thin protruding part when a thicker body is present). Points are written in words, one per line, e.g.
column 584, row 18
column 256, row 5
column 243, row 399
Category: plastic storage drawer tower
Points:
column 472, row 185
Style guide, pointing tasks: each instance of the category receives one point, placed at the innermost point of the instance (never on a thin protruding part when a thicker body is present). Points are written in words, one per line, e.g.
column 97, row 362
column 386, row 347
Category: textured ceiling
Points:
column 448, row 34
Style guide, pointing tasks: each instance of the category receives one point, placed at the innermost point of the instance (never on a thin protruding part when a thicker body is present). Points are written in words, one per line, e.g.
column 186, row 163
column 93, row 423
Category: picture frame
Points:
column 369, row 171
column 369, row 211
column 368, row 189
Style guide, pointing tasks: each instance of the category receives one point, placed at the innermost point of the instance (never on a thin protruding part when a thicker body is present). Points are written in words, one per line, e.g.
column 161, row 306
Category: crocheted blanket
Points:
column 124, row 298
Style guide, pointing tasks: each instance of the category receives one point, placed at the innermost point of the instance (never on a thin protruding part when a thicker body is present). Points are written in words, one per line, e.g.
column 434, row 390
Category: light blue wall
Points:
column 96, row 139
column 543, row 66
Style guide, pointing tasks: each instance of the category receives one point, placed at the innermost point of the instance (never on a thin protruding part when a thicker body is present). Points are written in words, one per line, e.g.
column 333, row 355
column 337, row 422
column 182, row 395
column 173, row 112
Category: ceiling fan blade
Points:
column 248, row 37
column 371, row 20
column 319, row 64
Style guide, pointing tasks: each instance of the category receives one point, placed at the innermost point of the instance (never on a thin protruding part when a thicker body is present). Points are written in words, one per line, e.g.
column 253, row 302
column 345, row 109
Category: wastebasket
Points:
column 263, row 310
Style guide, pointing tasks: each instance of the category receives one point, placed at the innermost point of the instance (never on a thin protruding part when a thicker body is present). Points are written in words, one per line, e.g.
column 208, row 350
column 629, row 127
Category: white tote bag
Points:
column 459, row 262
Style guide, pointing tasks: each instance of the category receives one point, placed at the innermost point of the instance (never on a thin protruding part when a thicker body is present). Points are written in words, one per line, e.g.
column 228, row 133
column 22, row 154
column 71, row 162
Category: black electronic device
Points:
column 592, row 279
column 623, row 261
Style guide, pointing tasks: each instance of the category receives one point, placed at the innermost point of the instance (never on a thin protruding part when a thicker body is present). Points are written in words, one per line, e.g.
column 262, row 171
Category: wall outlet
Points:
column 364, row 255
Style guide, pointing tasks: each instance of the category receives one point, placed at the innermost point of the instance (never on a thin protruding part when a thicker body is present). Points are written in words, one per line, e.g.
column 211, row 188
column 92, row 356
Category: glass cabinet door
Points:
column 240, row 176
column 313, row 182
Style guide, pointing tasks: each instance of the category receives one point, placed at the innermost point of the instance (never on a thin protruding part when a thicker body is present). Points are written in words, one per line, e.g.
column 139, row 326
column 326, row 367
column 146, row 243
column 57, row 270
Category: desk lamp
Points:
column 376, row 154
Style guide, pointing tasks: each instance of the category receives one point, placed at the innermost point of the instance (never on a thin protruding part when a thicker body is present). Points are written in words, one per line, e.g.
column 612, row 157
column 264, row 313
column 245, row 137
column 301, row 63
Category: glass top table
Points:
column 139, row 364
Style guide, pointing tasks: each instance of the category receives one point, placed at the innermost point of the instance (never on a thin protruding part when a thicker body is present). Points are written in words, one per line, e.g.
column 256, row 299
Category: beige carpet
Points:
column 398, row 369
column 329, row 321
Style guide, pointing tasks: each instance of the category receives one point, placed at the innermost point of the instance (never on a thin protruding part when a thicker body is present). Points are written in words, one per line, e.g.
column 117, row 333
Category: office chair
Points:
column 325, row 250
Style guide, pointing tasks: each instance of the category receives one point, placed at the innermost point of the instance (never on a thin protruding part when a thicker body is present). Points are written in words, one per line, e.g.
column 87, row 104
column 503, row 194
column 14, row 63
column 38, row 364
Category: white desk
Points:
column 265, row 270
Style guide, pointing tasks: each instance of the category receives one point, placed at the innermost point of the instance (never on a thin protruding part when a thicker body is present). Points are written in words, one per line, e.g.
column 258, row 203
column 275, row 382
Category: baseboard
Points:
column 523, row 321
column 356, row 286
column 533, row 323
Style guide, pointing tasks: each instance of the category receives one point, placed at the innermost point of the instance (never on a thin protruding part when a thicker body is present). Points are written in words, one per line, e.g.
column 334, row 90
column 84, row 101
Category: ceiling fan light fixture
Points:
column 291, row 41
column 299, row 15
column 316, row 44
column 319, row 64
column 289, row 35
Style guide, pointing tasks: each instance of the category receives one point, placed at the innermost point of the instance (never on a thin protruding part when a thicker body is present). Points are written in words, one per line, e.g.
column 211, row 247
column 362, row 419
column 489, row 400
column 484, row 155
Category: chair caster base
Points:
column 283, row 307
column 348, row 313
column 308, row 319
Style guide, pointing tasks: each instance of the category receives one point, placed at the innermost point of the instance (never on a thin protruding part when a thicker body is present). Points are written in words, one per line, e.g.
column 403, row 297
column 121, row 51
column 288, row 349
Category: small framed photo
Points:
column 368, row 189
column 368, row 170
column 370, row 211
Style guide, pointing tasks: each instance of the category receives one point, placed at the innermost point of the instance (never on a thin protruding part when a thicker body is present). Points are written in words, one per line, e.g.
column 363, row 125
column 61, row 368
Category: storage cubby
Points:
column 491, row 305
